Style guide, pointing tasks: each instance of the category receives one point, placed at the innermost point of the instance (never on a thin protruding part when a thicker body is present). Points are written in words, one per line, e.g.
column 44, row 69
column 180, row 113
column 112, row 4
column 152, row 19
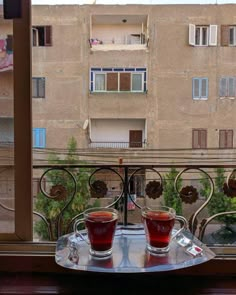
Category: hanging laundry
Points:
column 2, row 45
column 6, row 63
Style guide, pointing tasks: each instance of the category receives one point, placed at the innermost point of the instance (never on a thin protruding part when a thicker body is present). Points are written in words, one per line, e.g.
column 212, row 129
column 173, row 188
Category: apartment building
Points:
column 134, row 76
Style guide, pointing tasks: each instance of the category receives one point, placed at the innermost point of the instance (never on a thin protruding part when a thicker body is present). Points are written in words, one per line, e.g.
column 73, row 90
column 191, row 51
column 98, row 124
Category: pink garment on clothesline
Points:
column 2, row 45
column 6, row 63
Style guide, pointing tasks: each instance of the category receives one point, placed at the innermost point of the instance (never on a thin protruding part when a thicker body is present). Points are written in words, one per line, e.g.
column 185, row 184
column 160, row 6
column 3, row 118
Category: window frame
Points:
column 18, row 252
column 47, row 32
column 200, row 91
column 227, row 87
column 199, row 145
column 226, row 133
column 39, row 137
column 234, row 36
column 38, row 81
column 118, row 71
column 23, row 230
column 203, row 39
column 211, row 35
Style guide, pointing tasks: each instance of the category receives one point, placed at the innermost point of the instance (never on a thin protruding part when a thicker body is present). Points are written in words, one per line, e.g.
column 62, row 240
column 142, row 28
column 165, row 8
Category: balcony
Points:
column 117, row 145
column 117, row 133
column 118, row 32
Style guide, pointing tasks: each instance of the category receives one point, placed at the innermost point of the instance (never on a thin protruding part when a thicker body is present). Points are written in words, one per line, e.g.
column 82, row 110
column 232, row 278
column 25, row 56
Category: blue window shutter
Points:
column 204, row 87
column 196, row 88
column 39, row 137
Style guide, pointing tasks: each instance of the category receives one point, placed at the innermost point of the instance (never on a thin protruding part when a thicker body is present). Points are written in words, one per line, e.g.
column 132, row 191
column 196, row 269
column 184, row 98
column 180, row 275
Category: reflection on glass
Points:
column 7, row 194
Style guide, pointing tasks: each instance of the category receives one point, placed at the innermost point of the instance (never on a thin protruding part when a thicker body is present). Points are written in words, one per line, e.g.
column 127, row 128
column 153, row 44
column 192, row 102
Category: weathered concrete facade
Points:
column 167, row 106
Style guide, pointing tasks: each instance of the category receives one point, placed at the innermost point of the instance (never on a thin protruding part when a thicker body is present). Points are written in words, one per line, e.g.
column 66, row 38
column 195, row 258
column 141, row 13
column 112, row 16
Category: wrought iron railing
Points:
column 117, row 145
column 129, row 187
column 196, row 189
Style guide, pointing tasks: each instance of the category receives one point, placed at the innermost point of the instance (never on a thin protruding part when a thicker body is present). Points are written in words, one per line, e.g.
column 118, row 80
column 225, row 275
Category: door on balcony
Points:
column 135, row 138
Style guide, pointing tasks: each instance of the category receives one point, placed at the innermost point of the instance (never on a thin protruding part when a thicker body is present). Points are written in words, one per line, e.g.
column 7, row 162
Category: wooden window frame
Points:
column 18, row 252
column 23, row 215
column 199, row 145
column 225, row 144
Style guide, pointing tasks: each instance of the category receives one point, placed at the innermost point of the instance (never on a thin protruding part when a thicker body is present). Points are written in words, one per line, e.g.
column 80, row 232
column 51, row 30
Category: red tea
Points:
column 158, row 226
column 101, row 228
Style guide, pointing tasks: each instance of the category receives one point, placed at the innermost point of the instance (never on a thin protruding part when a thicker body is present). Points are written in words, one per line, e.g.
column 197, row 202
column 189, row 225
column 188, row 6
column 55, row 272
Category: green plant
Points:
column 219, row 202
column 59, row 179
column 171, row 197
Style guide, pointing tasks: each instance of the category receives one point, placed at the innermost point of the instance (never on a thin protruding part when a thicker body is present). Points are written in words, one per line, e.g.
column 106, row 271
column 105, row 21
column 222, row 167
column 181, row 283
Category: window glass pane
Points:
column 231, row 36
column 137, row 82
column 100, row 82
column 197, row 36
column 7, row 175
column 231, row 87
column 223, row 87
column 204, row 88
column 196, row 87
column 204, row 36
column 41, row 87
column 34, row 87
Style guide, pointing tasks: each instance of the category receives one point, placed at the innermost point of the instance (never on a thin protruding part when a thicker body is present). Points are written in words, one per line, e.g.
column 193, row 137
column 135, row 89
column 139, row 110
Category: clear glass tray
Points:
column 130, row 254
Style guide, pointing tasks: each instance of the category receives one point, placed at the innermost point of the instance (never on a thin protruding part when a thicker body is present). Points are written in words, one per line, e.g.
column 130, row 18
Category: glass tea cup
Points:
column 100, row 226
column 158, row 225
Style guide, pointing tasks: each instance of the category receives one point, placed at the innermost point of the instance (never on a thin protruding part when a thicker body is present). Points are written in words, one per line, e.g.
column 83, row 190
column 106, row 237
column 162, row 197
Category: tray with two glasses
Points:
column 129, row 254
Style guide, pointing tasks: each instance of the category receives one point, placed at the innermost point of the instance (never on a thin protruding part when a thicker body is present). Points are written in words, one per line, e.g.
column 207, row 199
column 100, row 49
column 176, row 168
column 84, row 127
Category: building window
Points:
column 227, row 87
column 202, row 35
column 42, row 35
column 38, row 87
column 200, row 88
column 228, row 35
column 226, row 139
column 39, row 137
column 118, row 80
column 199, row 138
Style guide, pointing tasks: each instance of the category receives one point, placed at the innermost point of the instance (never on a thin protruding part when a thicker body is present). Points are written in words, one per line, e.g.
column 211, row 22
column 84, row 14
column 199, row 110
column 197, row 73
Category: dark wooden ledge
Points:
column 41, row 275
column 45, row 283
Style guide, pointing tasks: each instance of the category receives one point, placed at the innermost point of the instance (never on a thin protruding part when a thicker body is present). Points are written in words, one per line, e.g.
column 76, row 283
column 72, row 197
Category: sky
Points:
column 123, row 2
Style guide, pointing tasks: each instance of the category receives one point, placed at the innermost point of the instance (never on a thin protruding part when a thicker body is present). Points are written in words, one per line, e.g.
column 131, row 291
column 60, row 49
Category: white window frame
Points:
column 211, row 35
column 200, row 96
column 94, row 73
column 142, row 83
column 94, row 78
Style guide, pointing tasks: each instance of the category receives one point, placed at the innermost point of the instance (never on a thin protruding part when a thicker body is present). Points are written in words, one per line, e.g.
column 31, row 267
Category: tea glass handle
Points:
column 184, row 224
column 79, row 232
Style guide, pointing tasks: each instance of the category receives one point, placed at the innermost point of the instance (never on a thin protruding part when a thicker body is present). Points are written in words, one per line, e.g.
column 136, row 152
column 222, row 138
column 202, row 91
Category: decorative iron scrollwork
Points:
column 98, row 189
column 154, row 189
column 189, row 194
column 58, row 192
column 229, row 188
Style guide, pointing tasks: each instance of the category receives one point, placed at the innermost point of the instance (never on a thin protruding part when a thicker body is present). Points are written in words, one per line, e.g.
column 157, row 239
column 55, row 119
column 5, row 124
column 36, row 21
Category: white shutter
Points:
column 213, row 35
column 191, row 35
